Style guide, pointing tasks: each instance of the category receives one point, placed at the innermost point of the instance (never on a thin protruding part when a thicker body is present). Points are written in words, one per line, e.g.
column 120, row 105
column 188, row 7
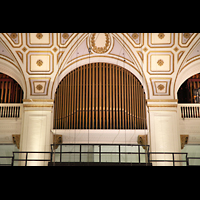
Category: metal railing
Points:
column 10, row 110
column 26, row 159
column 119, row 153
column 172, row 160
column 189, row 110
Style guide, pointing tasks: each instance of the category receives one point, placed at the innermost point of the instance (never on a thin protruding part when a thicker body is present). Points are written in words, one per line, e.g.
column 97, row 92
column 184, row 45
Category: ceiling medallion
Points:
column 39, row 36
column 161, row 35
column 24, row 49
column 65, row 35
column 13, row 35
column 39, row 63
column 160, row 62
column 176, row 49
column 186, row 35
column 161, row 87
column 135, row 36
column 100, row 42
column 145, row 49
column 39, row 87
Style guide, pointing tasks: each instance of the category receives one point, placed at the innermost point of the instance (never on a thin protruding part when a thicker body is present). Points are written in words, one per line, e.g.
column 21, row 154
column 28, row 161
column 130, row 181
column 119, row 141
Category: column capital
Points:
column 162, row 104
column 38, row 103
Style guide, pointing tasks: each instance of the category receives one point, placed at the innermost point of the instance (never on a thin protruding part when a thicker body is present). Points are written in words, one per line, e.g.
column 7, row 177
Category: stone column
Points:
column 164, row 135
column 36, row 126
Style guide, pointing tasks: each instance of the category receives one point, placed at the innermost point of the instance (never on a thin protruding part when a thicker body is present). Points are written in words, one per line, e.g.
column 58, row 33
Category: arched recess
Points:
column 188, row 71
column 64, row 66
column 106, row 59
column 7, row 67
column 100, row 96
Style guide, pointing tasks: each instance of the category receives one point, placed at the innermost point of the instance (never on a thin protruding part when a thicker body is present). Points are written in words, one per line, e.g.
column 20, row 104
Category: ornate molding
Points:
column 95, row 48
column 39, row 35
column 16, row 140
column 38, row 100
column 161, row 35
column 57, row 139
column 184, row 140
column 142, row 140
column 160, row 62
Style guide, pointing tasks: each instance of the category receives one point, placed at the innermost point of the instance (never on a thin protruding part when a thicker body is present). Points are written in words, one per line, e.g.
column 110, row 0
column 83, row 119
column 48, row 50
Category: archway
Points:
column 10, row 90
column 186, row 90
column 100, row 96
column 10, row 69
column 188, row 71
column 106, row 59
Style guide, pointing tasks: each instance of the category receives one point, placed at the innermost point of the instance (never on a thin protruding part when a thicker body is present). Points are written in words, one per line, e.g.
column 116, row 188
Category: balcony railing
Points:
column 189, row 110
column 11, row 110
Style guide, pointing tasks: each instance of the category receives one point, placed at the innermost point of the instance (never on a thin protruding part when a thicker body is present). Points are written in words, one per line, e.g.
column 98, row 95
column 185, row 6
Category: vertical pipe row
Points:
column 100, row 96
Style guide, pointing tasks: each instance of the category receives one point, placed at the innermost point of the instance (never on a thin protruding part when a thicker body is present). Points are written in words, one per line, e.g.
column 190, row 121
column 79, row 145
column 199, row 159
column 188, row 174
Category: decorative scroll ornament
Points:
column 100, row 42
column 184, row 140
column 16, row 140
column 142, row 140
column 57, row 139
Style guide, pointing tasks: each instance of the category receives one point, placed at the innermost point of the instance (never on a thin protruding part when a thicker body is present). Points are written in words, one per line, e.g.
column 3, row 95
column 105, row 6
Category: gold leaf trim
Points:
column 100, row 49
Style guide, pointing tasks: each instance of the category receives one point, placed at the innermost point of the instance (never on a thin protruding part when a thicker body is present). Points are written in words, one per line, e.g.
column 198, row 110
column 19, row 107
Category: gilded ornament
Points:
column 39, row 63
column 39, row 35
column 160, row 62
column 142, row 140
column 39, row 87
column 65, row 35
column 100, row 49
column 184, row 140
column 186, row 35
column 161, row 35
column 16, row 140
column 145, row 49
column 24, row 49
column 161, row 87
column 57, row 139
column 13, row 35
column 135, row 36
column 176, row 49
column 55, row 49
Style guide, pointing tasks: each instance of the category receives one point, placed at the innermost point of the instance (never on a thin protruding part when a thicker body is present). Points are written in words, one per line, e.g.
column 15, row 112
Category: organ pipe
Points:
column 100, row 96
column 10, row 90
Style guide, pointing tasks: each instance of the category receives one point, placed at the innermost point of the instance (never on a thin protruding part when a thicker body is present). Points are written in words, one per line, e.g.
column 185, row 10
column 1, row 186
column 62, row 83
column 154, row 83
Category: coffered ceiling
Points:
column 43, row 59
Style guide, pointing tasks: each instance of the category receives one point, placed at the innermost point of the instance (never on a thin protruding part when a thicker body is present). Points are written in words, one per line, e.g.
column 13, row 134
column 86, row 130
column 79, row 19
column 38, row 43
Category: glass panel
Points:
column 106, row 157
column 193, row 151
column 7, row 150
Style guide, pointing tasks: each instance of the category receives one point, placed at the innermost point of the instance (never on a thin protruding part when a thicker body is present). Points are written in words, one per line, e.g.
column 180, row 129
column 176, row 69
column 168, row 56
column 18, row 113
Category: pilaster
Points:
column 164, row 136
column 36, row 134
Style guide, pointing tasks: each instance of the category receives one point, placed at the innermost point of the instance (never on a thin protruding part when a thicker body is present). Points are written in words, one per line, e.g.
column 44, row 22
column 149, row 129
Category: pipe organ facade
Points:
column 100, row 88
column 100, row 96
